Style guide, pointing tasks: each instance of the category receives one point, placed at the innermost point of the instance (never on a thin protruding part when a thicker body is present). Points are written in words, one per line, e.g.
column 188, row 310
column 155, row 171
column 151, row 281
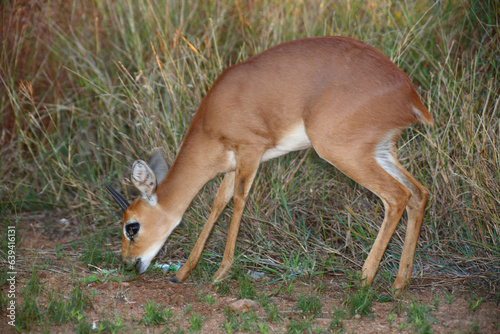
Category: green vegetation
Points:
column 246, row 287
column 337, row 317
column 81, row 101
column 269, row 307
column 205, row 297
column 240, row 321
column 59, row 309
column 360, row 301
column 309, row 305
column 299, row 326
column 30, row 312
column 155, row 314
column 223, row 288
column 359, row 298
column 418, row 317
column 88, row 87
column 195, row 323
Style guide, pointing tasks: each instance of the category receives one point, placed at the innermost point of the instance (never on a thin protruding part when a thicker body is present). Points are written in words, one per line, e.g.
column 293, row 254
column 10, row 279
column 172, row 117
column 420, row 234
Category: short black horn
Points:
column 122, row 202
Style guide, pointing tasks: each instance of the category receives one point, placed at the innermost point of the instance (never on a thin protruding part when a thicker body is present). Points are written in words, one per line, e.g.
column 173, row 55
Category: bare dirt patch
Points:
column 451, row 305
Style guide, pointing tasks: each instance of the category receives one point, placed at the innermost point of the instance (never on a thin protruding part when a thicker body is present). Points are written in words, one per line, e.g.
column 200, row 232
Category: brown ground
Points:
column 126, row 299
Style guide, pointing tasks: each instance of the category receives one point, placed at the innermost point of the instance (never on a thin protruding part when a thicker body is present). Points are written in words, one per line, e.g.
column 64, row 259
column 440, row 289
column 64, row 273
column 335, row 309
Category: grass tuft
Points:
column 310, row 305
column 156, row 314
column 418, row 317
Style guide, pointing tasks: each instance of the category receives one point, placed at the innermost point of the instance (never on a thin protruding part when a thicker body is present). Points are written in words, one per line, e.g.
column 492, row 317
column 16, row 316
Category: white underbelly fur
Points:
column 293, row 141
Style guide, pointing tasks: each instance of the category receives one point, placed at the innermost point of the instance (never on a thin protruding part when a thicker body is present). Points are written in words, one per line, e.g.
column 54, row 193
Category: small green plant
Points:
column 475, row 303
column 155, row 314
column 59, row 251
column 204, row 297
column 29, row 314
column 57, row 310
column 223, row 288
column 337, row 317
column 205, row 270
column 450, row 298
column 390, row 318
column 320, row 285
column 29, row 311
column 360, row 298
column 91, row 279
column 95, row 253
column 229, row 326
column 107, row 326
column 246, row 287
column 195, row 323
column 79, row 300
column 360, row 301
column 475, row 327
column 310, row 305
column 263, row 328
column 436, row 302
column 418, row 317
column 188, row 308
column 299, row 326
column 61, row 309
column 82, row 325
column 209, row 299
column 270, row 308
column 272, row 312
column 238, row 321
column 3, row 299
column 33, row 287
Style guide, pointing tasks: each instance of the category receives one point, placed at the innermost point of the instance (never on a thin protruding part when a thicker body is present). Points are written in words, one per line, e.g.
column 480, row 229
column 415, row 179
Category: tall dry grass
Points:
column 88, row 87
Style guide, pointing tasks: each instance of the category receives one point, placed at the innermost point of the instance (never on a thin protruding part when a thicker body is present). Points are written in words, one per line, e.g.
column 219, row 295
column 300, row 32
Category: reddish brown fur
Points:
column 348, row 96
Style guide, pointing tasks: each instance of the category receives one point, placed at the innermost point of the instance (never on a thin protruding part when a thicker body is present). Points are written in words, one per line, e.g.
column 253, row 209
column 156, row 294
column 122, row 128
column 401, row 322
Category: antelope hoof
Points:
column 368, row 275
column 399, row 287
column 220, row 275
column 175, row 280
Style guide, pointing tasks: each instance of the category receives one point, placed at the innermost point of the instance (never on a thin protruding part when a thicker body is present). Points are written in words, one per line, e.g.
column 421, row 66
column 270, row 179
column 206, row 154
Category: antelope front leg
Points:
column 223, row 196
column 246, row 168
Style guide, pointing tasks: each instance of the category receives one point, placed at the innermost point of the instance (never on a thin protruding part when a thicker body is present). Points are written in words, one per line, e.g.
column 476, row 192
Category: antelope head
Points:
column 145, row 224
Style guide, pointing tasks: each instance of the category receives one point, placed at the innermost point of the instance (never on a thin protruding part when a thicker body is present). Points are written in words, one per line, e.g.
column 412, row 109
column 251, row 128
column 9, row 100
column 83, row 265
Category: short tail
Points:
column 421, row 112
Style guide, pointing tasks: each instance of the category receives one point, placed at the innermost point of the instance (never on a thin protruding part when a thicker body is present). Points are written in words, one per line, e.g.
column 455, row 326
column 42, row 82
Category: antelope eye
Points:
column 132, row 229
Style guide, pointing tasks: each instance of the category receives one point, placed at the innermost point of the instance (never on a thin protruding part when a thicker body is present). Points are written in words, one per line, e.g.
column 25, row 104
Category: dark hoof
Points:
column 175, row 280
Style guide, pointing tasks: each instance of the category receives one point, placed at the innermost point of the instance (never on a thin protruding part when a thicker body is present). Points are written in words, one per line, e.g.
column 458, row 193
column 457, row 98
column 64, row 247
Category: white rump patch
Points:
column 293, row 141
column 385, row 157
column 418, row 114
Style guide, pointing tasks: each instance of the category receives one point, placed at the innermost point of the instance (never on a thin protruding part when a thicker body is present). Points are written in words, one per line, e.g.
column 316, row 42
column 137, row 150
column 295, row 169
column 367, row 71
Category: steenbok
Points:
column 337, row 95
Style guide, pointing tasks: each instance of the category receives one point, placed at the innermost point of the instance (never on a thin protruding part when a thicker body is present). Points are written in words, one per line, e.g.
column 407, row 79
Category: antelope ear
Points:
column 144, row 179
column 159, row 164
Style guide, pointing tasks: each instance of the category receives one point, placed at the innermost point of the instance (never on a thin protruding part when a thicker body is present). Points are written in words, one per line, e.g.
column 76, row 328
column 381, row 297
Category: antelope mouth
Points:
column 140, row 265
column 137, row 264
